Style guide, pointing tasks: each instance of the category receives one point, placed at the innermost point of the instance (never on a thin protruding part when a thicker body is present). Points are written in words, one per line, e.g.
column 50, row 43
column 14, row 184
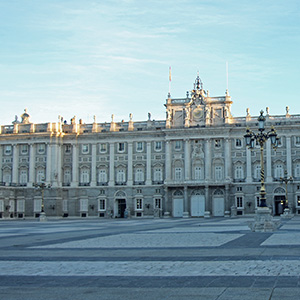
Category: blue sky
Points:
column 89, row 57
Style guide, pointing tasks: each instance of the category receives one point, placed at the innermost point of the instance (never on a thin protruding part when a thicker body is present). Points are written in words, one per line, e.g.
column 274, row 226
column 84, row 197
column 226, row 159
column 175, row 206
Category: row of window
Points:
column 139, row 174
column 121, row 147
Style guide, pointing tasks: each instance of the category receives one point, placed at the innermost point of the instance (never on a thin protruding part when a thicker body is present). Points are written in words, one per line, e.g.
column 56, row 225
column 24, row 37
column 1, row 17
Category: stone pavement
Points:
column 217, row 258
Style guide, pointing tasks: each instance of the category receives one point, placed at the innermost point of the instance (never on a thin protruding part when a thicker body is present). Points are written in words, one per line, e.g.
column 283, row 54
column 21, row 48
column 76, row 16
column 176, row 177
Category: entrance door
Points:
column 279, row 205
column 121, row 207
column 197, row 205
column 218, row 207
column 178, row 208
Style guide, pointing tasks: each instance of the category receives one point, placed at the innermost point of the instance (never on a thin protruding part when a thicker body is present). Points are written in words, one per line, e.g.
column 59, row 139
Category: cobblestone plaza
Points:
column 216, row 258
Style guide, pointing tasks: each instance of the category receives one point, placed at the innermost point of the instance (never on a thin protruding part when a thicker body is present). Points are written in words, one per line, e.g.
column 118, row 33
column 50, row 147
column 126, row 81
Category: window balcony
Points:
column 139, row 182
column 120, row 183
column 84, row 183
column 102, row 183
column 157, row 182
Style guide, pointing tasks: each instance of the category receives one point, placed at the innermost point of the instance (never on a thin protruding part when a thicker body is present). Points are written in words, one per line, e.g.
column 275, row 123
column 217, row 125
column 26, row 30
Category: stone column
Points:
column 55, row 163
column 148, row 178
column 186, row 203
column 289, row 156
column 1, row 151
column 15, row 170
column 48, row 163
column 228, row 161
column 187, row 159
column 168, row 161
column 207, row 159
column 248, row 165
column 268, row 161
column 59, row 164
column 130, row 164
column 31, row 164
column 111, row 164
column 74, row 182
column 207, row 200
column 94, row 167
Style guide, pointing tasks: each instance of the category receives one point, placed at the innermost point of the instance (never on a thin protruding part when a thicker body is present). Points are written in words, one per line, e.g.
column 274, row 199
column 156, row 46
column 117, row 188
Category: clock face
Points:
column 198, row 114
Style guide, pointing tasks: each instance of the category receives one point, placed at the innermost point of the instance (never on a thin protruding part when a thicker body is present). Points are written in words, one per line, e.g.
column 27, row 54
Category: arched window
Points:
column 297, row 170
column 278, row 171
column 198, row 173
column 178, row 174
column 257, row 172
column 157, row 174
column 23, row 176
column 102, row 176
column 218, row 172
column 67, row 176
column 40, row 175
column 120, row 175
column 239, row 172
column 139, row 175
column 85, row 175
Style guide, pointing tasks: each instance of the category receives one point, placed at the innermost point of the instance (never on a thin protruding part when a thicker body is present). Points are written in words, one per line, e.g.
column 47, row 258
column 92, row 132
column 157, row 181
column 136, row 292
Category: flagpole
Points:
column 170, row 79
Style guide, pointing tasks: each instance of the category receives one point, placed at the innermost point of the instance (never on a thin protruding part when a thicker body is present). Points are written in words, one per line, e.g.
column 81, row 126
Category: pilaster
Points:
column 148, row 168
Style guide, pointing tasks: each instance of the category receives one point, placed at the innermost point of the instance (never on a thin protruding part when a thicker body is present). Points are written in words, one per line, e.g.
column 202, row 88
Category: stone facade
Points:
column 192, row 164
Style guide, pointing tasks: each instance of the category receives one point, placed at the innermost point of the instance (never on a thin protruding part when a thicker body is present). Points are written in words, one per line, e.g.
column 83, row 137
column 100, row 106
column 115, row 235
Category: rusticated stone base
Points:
column 263, row 221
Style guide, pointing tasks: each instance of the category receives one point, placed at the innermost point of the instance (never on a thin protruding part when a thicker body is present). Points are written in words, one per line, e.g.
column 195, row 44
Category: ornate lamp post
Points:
column 261, row 137
column 286, row 180
column 263, row 218
column 42, row 185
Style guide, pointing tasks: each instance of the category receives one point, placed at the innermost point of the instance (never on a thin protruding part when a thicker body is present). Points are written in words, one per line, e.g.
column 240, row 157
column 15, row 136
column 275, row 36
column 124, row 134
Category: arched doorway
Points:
column 218, row 204
column 197, row 203
column 279, row 201
column 178, row 204
column 120, row 204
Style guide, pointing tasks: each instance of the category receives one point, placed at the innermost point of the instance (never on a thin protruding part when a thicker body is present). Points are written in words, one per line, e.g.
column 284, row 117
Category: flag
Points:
column 169, row 73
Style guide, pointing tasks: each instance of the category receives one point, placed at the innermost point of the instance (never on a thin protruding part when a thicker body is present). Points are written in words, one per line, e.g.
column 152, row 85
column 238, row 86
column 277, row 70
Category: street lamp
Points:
column 286, row 180
column 42, row 185
column 261, row 137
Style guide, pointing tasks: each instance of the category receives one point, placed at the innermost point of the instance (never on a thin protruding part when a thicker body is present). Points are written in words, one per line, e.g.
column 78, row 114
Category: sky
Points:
column 102, row 57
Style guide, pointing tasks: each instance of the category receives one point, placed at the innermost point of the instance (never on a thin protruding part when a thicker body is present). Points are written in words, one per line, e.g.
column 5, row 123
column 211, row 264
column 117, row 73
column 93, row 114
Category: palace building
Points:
column 192, row 164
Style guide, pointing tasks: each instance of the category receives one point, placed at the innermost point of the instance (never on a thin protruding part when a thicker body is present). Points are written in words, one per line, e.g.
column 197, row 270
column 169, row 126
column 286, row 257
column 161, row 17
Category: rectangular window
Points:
column 1, row 206
column 157, row 203
column 102, row 204
column 121, row 147
column 139, row 204
column 138, row 191
column 20, row 206
column 84, row 205
column 103, row 148
column 157, row 191
column 239, row 188
column 24, row 149
column 177, row 145
column 257, row 201
column 297, row 140
column 139, row 146
column 37, row 205
column 238, row 143
column 67, row 148
column 8, row 150
column 158, row 146
column 65, row 205
column 85, row 148
column 217, row 143
column 239, row 202
column 41, row 148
